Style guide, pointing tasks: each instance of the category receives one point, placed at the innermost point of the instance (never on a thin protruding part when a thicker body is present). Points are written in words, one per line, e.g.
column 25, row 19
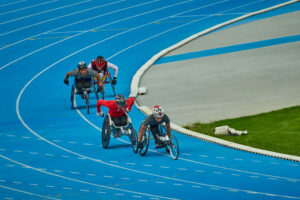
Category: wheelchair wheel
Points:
column 145, row 142
column 133, row 138
column 86, row 98
column 173, row 148
column 72, row 96
column 105, row 132
column 95, row 90
column 113, row 88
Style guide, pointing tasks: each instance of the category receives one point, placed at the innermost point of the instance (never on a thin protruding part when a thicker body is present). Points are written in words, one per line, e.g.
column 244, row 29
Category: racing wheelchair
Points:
column 105, row 80
column 109, row 128
column 170, row 144
column 88, row 86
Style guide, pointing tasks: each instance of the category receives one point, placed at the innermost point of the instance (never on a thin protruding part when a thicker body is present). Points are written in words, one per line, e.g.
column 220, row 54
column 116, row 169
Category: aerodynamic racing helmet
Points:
column 157, row 111
column 100, row 61
column 81, row 65
column 120, row 101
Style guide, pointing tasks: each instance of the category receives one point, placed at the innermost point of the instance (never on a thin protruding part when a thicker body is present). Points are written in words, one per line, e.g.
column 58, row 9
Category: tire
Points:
column 174, row 149
column 86, row 98
column 105, row 132
column 133, row 138
column 72, row 96
column 95, row 90
column 145, row 142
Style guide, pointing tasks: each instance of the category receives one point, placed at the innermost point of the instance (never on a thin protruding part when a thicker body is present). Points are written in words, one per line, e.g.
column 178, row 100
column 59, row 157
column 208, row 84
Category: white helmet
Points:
column 157, row 111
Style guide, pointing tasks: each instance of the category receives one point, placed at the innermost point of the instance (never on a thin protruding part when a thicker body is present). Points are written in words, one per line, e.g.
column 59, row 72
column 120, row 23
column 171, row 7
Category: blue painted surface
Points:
column 229, row 49
column 49, row 150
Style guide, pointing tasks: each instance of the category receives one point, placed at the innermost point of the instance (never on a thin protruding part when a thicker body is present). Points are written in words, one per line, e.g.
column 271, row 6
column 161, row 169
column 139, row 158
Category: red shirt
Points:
column 113, row 109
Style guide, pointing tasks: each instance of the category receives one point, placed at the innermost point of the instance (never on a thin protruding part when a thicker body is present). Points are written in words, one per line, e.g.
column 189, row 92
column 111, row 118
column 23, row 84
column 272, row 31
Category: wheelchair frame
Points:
column 107, row 79
column 108, row 128
column 85, row 93
column 170, row 146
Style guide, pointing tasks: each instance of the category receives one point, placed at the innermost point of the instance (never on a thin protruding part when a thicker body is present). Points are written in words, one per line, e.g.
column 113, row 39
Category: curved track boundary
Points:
column 136, row 79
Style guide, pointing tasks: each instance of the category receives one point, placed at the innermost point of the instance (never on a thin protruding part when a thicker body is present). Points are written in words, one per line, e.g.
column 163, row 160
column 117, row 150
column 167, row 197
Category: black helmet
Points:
column 81, row 65
column 120, row 101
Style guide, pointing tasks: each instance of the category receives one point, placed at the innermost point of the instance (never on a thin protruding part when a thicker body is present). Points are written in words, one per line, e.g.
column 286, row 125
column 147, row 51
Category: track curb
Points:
column 136, row 79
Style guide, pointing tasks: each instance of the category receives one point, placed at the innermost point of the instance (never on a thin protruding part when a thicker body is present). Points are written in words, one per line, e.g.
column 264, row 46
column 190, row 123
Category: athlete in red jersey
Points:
column 116, row 109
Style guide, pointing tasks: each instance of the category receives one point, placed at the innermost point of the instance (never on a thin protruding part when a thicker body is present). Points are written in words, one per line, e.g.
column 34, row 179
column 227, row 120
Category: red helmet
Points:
column 100, row 62
column 157, row 111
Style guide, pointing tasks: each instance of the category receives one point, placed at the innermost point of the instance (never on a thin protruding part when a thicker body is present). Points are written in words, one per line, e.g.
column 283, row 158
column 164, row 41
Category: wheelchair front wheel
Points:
column 72, row 96
column 172, row 147
column 145, row 142
column 133, row 139
column 105, row 132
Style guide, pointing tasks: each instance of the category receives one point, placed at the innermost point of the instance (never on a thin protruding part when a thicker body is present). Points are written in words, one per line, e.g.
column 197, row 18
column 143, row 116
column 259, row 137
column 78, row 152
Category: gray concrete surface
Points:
column 229, row 85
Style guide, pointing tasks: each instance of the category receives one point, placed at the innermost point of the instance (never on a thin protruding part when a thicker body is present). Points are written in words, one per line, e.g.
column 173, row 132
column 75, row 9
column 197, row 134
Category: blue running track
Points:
column 48, row 151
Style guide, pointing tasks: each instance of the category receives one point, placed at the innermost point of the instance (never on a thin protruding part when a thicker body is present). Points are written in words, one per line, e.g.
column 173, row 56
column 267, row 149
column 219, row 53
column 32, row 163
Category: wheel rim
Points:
column 174, row 150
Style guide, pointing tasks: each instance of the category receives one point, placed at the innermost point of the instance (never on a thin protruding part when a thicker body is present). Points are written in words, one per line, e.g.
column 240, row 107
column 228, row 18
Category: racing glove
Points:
column 66, row 81
column 114, row 81
column 100, row 114
column 140, row 145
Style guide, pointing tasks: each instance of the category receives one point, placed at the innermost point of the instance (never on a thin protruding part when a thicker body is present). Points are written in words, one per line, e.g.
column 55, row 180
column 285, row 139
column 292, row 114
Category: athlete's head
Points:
column 100, row 62
column 120, row 101
column 82, row 68
column 157, row 112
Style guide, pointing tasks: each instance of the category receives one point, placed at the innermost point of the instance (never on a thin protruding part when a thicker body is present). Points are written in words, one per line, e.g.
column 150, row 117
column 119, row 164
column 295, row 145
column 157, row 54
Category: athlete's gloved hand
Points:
column 114, row 81
column 140, row 145
column 127, row 110
column 100, row 114
column 66, row 81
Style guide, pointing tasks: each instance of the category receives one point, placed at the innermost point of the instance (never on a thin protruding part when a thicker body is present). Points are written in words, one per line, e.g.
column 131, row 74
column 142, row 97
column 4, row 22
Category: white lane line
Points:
column 10, row 165
column 164, row 167
column 100, row 192
column 24, row 192
column 34, row 153
column 26, row 137
column 220, row 157
column 91, row 174
column 235, row 175
column 182, row 169
column 204, row 156
column 126, row 179
column 52, row 44
column 239, row 159
column 254, row 176
column 185, row 154
column 118, row 194
column 50, row 186
column 131, row 163
column 83, row 190
column 17, row 182
column 160, row 182
column 87, row 144
column 295, row 165
column 67, row 188
column 43, row 12
column 107, row 176
column 85, row 118
column 49, row 154
column 74, row 172
column 64, row 156
column 24, row 8
column 257, row 161
column 8, row 4
column 217, row 172
column 33, row 184
column 59, row 171
column 3, row 149
column 147, row 165
column 39, row 23
column 178, row 184
column 112, row 161
column 71, row 142
column 18, row 151
column 141, row 180
column 201, row 171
